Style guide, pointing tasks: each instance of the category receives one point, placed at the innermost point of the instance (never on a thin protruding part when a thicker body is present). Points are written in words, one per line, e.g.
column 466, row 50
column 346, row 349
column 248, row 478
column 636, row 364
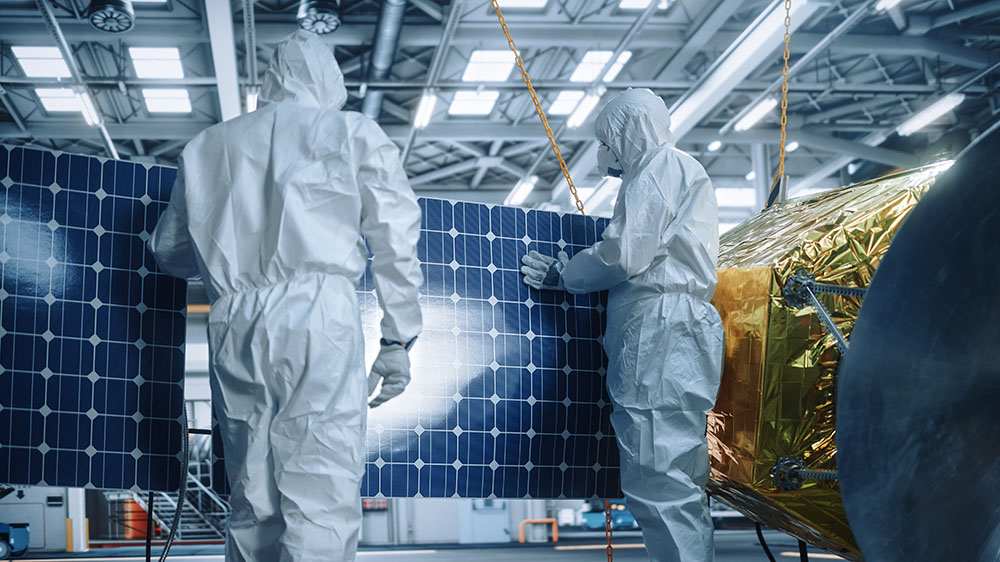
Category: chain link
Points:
column 541, row 114
column 784, row 90
column 607, row 528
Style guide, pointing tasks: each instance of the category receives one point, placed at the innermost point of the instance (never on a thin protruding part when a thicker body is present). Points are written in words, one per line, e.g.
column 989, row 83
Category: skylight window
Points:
column 58, row 99
column 522, row 3
column 473, row 103
column 41, row 62
column 566, row 102
column 489, row 66
column 167, row 100
column 594, row 61
column 157, row 62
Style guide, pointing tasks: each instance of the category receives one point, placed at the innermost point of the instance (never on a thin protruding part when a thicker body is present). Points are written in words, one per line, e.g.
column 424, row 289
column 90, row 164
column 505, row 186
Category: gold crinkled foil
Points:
column 778, row 391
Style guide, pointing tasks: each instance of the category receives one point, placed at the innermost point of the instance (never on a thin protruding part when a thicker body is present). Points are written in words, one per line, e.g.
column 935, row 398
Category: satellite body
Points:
column 778, row 393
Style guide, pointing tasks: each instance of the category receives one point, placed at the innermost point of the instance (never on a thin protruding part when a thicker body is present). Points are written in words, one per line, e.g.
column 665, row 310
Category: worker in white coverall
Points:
column 269, row 209
column 663, row 337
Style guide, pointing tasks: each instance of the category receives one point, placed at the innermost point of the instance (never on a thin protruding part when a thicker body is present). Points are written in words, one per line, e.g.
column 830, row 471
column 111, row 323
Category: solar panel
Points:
column 508, row 397
column 91, row 334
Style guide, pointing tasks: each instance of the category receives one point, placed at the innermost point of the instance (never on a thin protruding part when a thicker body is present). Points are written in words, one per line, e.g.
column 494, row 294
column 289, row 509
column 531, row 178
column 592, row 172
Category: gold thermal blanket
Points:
column 778, row 394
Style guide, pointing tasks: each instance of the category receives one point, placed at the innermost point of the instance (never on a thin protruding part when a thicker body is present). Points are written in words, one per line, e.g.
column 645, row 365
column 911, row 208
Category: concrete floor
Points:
column 730, row 546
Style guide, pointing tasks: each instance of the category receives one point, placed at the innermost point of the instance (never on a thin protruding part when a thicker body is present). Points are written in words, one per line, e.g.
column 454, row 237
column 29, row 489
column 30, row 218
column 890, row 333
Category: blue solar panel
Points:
column 91, row 334
column 508, row 397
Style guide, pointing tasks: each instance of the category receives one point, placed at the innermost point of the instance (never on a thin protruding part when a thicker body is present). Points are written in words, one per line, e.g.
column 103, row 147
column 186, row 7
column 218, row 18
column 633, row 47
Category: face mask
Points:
column 607, row 162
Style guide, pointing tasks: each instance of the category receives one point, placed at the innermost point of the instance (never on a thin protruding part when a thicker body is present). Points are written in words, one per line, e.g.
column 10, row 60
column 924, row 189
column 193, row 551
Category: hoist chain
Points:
column 538, row 107
column 607, row 528
column 784, row 89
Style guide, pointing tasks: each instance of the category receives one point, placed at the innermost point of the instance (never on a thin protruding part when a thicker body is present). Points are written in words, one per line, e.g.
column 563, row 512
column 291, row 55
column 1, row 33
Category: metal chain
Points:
column 784, row 90
column 607, row 528
column 538, row 107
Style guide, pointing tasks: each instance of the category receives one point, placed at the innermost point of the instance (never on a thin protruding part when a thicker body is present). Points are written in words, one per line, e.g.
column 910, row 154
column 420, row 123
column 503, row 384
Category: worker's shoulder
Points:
column 361, row 123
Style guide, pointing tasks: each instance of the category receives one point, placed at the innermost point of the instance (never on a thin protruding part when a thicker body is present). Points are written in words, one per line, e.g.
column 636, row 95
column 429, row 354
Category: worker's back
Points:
column 275, row 193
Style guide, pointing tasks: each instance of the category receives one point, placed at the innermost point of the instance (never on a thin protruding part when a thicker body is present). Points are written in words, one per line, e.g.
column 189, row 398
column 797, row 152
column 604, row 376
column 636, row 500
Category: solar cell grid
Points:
column 507, row 398
column 91, row 334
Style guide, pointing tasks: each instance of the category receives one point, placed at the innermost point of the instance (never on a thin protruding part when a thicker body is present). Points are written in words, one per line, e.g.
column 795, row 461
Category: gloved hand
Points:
column 544, row 272
column 392, row 367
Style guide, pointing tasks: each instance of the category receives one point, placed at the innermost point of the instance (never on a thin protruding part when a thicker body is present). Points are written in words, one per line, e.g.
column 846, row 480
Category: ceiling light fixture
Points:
column 714, row 145
column 521, row 191
column 792, row 146
column 87, row 108
column 884, row 5
column 111, row 16
column 319, row 16
column 756, row 114
column 929, row 114
column 425, row 109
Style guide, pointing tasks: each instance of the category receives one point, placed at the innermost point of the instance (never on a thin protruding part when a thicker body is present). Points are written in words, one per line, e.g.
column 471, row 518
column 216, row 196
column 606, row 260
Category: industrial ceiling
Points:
column 860, row 70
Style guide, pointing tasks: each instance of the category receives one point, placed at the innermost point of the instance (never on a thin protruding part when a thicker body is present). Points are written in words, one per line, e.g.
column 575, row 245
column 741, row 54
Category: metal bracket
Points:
column 800, row 291
column 789, row 473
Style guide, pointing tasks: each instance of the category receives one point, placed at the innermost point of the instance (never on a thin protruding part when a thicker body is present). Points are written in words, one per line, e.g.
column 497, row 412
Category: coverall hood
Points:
column 633, row 123
column 303, row 69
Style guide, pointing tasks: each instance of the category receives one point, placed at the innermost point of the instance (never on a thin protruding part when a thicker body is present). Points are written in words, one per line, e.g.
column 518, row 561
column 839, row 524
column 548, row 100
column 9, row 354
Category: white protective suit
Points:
column 270, row 208
column 663, row 339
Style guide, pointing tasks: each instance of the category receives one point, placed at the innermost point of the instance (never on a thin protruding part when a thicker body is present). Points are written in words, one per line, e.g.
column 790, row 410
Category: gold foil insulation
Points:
column 778, row 391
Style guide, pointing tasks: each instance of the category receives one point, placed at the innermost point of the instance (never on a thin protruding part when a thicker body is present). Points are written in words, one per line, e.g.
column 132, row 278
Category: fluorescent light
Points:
column 641, row 4
column 584, row 108
column 930, row 114
column 252, row 97
column 791, row 146
column 473, row 103
column 884, row 5
column 756, row 114
column 714, row 145
column 58, row 99
column 425, row 109
column 156, row 62
column 751, row 175
column 521, row 191
column 594, row 61
column 584, row 193
column 87, row 108
column 489, row 66
column 41, row 62
column 853, row 167
column 735, row 196
column 167, row 100
column 566, row 102
column 522, row 3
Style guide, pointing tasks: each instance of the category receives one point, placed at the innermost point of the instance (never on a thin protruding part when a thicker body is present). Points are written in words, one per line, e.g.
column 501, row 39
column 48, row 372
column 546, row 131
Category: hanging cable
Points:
column 779, row 178
column 538, row 107
column 763, row 543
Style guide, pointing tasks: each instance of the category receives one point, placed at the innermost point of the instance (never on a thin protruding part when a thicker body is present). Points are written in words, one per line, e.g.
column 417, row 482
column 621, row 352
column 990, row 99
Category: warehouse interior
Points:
column 871, row 88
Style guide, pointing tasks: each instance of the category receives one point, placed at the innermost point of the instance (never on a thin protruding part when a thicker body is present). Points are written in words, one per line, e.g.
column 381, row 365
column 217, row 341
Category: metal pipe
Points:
column 845, row 26
column 250, row 41
column 57, row 35
column 390, row 23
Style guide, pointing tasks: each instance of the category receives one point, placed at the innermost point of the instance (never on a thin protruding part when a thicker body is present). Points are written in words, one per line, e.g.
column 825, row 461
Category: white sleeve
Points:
column 390, row 222
column 629, row 244
column 171, row 242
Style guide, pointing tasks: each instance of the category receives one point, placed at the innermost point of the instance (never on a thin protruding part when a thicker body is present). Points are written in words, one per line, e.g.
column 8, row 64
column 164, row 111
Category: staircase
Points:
column 203, row 516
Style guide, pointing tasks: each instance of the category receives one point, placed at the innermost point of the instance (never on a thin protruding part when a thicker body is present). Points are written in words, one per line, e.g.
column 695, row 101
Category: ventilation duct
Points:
column 319, row 16
column 111, row 16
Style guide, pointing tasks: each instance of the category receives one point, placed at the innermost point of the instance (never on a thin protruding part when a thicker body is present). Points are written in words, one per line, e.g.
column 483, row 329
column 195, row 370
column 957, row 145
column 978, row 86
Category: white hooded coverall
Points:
column 269, row 209
column 663, row 338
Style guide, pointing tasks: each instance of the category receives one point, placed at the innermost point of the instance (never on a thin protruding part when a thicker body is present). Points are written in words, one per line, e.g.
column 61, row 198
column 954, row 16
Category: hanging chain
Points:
column 784, row 90
column 538, row 107
column 607, row 528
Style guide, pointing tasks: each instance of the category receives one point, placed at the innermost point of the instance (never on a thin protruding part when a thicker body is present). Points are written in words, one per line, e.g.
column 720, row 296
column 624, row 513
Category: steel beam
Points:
column 219, row 17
